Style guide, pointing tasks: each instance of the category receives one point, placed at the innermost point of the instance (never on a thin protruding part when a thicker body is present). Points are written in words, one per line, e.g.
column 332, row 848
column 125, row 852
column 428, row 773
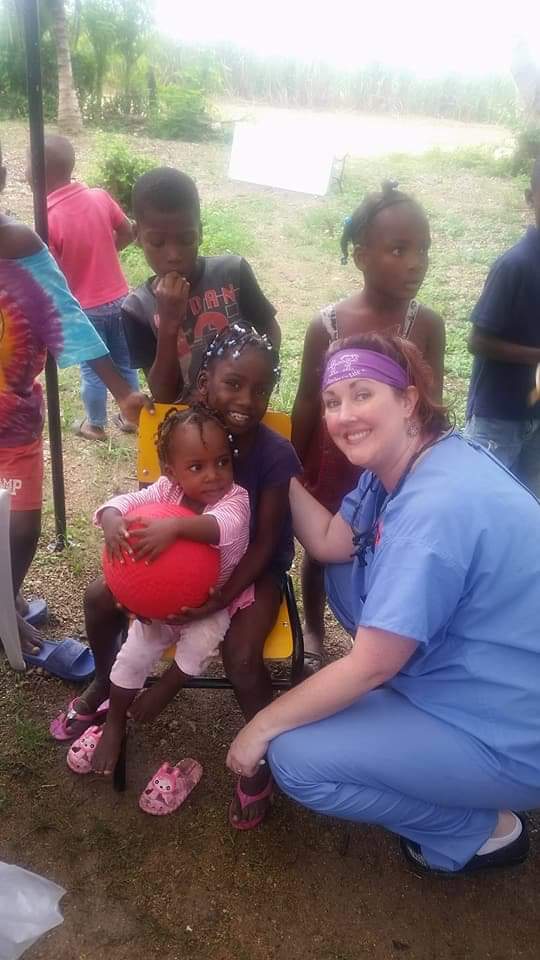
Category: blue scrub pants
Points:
column 387, row 762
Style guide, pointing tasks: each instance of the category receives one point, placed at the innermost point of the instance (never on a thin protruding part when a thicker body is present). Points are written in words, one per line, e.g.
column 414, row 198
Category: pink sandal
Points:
column 246, row 800
column 170, row 786
column 80, row 753
column 69, row 724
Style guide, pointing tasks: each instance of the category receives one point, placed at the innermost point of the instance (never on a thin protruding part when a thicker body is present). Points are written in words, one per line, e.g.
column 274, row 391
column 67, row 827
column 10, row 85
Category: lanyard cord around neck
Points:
column 364, row 540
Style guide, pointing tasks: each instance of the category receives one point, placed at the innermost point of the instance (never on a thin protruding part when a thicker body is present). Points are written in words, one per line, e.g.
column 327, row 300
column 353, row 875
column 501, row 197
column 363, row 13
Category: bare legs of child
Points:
column 24, row 531
column 144, row 708
column 314, row 601
column 195, row 645
column 242, row 653
column 105, row 625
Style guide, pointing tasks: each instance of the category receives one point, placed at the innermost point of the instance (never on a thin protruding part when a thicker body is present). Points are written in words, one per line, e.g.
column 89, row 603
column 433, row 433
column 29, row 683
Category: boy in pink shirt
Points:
column 87, row 228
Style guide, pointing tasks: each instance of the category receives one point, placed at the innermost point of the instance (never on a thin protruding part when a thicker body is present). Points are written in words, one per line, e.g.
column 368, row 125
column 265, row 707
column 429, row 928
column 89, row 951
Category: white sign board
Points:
column 281, row 153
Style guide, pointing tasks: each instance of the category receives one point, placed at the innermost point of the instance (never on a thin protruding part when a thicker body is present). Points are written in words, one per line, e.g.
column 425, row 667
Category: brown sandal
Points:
column 82, row 428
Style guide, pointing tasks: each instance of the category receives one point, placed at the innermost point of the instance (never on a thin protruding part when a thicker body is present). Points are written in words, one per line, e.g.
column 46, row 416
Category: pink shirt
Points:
column 231, row 512
column 82, row 224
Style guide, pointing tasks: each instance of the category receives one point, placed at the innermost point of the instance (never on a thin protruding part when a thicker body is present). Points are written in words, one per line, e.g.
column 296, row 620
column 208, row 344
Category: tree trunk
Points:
column 69, row 111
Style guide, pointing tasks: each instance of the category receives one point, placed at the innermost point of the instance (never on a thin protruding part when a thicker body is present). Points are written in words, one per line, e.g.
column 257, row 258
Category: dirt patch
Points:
column 188, row 886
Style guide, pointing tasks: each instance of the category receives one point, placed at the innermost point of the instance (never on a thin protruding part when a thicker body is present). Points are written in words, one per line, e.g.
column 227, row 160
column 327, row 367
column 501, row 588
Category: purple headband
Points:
column 357, row 364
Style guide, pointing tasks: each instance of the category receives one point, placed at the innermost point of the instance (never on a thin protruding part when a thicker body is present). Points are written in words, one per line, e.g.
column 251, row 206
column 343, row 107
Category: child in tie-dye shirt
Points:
column 37, row 314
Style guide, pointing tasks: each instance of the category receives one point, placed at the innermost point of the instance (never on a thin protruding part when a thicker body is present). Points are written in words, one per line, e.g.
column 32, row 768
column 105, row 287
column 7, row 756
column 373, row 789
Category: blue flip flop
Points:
column 68, row 659
column 38, row 612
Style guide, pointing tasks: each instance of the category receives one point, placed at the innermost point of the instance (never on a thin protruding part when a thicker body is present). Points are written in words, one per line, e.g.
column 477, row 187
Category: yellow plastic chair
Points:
column 285, row 642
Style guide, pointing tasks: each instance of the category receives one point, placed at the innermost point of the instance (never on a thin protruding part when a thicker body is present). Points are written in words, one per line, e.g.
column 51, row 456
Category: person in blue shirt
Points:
column 430, row 725
column 502, row 414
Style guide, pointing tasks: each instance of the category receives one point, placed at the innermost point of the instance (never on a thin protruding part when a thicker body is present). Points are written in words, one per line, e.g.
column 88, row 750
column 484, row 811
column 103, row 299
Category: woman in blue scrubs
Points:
column 430, row 726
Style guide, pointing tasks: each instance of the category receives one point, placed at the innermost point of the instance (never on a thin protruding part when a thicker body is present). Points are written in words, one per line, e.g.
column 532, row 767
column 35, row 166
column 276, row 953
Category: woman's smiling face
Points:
column 367, row 421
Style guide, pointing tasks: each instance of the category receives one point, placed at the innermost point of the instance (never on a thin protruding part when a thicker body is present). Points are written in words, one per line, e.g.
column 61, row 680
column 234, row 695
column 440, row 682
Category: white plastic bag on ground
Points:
column 28, row 908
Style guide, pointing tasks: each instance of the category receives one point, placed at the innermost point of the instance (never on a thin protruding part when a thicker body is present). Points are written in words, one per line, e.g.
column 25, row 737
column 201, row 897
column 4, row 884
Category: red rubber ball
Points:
column 181, row 576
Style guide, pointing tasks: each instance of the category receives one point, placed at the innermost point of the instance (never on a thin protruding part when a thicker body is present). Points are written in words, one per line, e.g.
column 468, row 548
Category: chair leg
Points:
column 297, row 659
column 120, row 770
column 9, row 631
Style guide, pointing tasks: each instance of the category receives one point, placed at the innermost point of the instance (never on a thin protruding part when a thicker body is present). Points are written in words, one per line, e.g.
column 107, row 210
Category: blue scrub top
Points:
column 454, row 563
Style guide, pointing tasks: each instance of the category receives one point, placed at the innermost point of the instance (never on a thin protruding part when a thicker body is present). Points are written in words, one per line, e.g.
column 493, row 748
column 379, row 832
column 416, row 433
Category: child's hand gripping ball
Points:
column 181, row 576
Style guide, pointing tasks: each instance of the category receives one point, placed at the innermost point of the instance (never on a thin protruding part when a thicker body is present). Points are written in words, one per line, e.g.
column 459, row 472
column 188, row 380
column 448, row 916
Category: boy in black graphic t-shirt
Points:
column 170, row 319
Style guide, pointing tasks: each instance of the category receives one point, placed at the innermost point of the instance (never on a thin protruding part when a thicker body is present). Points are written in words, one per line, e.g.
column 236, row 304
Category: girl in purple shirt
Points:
column 238, row 375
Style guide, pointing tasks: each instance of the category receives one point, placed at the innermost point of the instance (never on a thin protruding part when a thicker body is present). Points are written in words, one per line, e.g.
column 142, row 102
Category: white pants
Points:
column 196, row 644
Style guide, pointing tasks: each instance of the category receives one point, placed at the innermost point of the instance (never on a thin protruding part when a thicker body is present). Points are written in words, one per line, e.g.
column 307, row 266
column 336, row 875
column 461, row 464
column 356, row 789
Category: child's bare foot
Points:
column 21, row 605
column 92, row 697
column 84, row 706
column 31, row 639
column 108, row 749
column 252, row 786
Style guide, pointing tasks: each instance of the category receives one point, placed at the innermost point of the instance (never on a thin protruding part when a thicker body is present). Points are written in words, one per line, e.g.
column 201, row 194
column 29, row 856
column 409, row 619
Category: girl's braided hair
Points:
column 355, row 227
column 233, row 340
column 195, row 415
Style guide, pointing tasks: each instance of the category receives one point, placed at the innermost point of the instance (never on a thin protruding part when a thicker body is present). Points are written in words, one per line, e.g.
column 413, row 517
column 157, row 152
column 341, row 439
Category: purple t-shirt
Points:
column 271, row 462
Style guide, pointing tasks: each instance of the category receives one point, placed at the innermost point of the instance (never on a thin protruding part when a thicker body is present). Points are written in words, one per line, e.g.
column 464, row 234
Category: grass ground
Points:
column 188, row 886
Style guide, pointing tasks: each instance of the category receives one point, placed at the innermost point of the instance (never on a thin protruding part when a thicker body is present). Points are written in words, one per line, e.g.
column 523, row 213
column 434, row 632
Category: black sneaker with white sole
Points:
column 510, row 856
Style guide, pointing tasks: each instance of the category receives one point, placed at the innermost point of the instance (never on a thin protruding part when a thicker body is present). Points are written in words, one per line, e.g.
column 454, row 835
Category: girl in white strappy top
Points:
column 390, row 235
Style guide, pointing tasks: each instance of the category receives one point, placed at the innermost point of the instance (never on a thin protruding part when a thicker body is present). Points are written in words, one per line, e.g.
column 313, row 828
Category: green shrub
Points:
column 181, row 113
column 119, row 113
column 134, row 265
column 117, row 170
column 527, row 148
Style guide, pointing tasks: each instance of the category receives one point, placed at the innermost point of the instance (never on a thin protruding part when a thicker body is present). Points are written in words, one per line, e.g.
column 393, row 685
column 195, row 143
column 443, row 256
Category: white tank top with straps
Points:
column 329, row 320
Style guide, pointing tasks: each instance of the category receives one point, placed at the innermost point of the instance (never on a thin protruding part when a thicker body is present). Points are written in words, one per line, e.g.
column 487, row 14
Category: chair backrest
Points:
column 148, row 469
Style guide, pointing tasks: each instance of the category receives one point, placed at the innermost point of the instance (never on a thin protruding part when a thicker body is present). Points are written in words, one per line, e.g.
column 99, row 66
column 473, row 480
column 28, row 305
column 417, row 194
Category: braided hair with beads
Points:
column 233, row 340
column 356, row 227
column 196, row 415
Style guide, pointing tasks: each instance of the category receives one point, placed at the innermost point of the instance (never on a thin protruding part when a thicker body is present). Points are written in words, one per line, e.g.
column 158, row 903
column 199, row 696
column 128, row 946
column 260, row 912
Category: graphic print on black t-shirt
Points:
column 215, row 309
column 225, row 291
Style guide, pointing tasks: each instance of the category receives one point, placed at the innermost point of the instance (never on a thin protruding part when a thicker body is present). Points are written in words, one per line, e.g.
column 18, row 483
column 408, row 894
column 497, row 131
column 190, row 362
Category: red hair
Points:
column 432, row 416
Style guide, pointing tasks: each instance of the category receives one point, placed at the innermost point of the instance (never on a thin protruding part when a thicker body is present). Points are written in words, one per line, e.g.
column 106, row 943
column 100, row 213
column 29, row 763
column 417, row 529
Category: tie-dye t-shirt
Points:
column 37, row 313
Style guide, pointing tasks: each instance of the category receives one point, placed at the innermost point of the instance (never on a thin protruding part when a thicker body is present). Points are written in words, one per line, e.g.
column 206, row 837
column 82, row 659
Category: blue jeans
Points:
column 516, row 443
column 108, row 323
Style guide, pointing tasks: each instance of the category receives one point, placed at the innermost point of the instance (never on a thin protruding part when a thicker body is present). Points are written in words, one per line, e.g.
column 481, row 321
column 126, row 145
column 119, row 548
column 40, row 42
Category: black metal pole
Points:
column 37, row 152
